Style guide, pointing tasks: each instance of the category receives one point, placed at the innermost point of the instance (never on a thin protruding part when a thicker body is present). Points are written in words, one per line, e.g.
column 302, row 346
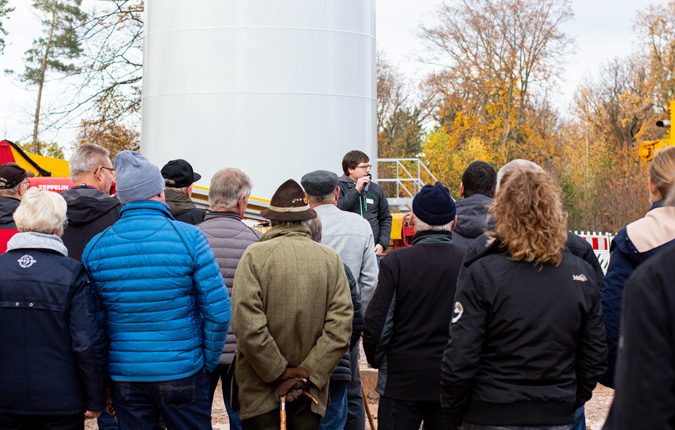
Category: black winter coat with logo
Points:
column 49, row 363
column 527, row 343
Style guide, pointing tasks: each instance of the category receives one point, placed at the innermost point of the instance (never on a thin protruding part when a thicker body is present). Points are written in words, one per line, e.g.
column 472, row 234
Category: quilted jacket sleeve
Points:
column 213, row 300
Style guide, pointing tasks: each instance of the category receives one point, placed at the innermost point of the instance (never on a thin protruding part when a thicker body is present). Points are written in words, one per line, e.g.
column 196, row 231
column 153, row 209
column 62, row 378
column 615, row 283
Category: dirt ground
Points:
column 596, row 410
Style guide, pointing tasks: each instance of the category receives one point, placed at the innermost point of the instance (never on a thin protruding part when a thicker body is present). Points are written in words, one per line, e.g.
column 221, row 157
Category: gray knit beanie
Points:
column 137, row 178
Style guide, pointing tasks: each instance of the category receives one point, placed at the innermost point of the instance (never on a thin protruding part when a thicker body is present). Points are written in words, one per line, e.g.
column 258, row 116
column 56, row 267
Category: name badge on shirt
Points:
column 370, row 201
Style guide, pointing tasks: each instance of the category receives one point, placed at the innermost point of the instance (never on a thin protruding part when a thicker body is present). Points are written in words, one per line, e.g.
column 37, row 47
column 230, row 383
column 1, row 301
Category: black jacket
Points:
column 472, row 219
column 48, row 335
column 7, row 207
column 90, row 211
column 407, row 320
column 371, row 205
column 645, row 373
column 343, row 370
column 183, row 208
column 527, row 343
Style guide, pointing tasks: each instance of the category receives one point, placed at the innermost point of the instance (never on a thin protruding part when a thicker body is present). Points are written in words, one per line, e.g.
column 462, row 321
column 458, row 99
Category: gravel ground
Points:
column 596, row 410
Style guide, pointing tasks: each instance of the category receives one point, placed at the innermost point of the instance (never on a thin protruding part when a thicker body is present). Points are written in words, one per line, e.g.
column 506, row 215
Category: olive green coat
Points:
column 291, row 308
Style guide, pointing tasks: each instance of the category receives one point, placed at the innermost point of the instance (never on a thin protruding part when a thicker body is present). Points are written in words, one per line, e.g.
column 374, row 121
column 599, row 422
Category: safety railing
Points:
column 402, row 178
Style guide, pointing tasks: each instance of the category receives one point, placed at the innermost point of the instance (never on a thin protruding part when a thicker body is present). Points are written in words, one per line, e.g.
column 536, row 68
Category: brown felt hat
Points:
column 289, row 204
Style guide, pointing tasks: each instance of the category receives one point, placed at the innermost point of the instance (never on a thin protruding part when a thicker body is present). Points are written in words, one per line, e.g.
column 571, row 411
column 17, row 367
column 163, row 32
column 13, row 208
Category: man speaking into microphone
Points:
column 360, row 195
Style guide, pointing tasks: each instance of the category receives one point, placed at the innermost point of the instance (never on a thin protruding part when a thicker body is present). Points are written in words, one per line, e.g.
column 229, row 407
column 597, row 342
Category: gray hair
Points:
column 227, row 185
column 180, row 190
column 86, row 159
column 514, row 165
column 422, row 226
column 328, row 198
column 41, row 211
column 316, row 228
column 11, row 192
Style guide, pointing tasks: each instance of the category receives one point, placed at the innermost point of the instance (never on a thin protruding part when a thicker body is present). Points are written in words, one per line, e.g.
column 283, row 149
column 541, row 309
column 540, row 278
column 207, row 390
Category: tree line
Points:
column 497, row 63
column 496, row 67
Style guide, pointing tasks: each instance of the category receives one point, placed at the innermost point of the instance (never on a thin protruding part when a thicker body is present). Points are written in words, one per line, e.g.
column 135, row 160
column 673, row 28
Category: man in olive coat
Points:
column 292, row 318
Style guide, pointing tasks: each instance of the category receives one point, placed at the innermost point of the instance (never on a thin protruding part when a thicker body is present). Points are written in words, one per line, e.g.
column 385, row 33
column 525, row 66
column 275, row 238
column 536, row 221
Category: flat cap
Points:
column 319, row 182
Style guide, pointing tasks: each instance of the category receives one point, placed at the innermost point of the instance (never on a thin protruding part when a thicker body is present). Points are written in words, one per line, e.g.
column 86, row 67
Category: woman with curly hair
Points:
column 527, row 343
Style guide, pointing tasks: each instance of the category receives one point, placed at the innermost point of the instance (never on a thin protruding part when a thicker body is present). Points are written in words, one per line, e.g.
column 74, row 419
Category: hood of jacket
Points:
column 34, row 240
column 86, row 204
column 179, row 203
column 7, row 207
column 472, row 216
column 347, row 180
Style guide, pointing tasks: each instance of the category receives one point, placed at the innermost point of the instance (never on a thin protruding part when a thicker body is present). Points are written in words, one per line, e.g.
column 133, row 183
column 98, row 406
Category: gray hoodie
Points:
column 472, row 219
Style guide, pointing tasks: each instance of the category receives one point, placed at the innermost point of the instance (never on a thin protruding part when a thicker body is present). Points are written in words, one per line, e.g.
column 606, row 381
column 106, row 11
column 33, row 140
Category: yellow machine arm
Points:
column 649, row 149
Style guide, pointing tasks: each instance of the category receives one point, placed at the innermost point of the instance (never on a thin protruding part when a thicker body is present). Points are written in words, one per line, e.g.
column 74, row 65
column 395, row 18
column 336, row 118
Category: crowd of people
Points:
column 132, row 308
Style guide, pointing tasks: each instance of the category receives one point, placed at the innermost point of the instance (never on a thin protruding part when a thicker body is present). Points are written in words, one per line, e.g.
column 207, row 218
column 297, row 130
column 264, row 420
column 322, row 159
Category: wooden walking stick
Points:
column 283, row 412
column 367, row 406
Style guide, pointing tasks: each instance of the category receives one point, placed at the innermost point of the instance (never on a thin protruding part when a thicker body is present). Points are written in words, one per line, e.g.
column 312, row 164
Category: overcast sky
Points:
column 603, row 29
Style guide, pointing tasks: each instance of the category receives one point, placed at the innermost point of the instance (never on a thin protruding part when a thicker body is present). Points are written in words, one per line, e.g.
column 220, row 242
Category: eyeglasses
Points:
column 65, row 223
column 26, row 183
column 366, row 167
column 109, row 169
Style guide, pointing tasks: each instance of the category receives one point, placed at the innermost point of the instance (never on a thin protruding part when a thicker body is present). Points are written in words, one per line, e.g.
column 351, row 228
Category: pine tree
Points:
column 56, row 50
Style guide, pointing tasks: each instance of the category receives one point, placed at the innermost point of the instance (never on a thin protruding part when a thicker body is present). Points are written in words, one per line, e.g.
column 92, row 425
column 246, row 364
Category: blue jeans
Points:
column 336, row 411
column 579, row 419
column 182, row 403
column 220, row 373
column 356, row 414
column 106, row 422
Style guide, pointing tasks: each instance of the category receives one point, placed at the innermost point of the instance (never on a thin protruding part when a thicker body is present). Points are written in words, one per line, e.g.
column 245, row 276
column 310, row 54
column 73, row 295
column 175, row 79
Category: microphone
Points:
column 368, row 184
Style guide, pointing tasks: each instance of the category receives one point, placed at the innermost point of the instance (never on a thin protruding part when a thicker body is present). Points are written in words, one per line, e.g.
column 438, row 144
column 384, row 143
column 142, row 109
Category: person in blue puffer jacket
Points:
column 164, row 305
column 634, row 244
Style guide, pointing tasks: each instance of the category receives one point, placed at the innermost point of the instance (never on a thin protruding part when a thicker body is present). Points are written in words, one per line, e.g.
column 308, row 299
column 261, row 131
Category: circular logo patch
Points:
column 26, row 261
column 457, row 312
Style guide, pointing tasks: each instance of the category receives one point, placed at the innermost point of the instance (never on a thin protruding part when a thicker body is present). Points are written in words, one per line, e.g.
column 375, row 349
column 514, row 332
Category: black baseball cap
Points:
column 11, row 175
column 179, row 174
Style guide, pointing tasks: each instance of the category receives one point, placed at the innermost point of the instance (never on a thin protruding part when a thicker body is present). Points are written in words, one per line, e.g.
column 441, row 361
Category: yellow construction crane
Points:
column 649, row 149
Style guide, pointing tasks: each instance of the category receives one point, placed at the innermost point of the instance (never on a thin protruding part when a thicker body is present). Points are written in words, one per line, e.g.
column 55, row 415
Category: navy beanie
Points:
column 434, row 205
column 137, row 178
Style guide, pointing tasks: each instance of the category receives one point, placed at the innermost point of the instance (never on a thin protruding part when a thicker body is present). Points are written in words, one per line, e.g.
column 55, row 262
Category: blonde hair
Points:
column 529, row 219
column 662, row 170
column 41, row 211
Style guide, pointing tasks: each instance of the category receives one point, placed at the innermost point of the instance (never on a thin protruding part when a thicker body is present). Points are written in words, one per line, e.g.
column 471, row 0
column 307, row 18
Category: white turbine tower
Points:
column 276, row 88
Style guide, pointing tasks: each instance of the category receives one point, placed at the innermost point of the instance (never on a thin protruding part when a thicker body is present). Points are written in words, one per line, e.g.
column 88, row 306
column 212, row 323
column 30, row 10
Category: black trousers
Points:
column 394, row 414
column 299, row 416
column 41, row 422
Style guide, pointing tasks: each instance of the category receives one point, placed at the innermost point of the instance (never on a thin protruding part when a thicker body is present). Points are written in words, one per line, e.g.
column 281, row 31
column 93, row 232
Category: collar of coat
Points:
column 130, row 208
column 34, row 240
column 178, row 202
column 287, row 230
column 431, row 236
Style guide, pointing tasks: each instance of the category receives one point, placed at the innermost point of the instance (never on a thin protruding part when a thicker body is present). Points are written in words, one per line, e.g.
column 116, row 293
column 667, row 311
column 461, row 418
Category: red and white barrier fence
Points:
column 601, row 243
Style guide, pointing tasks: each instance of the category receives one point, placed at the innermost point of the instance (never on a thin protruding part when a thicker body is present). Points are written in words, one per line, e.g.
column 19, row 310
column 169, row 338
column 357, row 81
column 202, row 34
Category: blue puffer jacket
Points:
column 165, row 307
